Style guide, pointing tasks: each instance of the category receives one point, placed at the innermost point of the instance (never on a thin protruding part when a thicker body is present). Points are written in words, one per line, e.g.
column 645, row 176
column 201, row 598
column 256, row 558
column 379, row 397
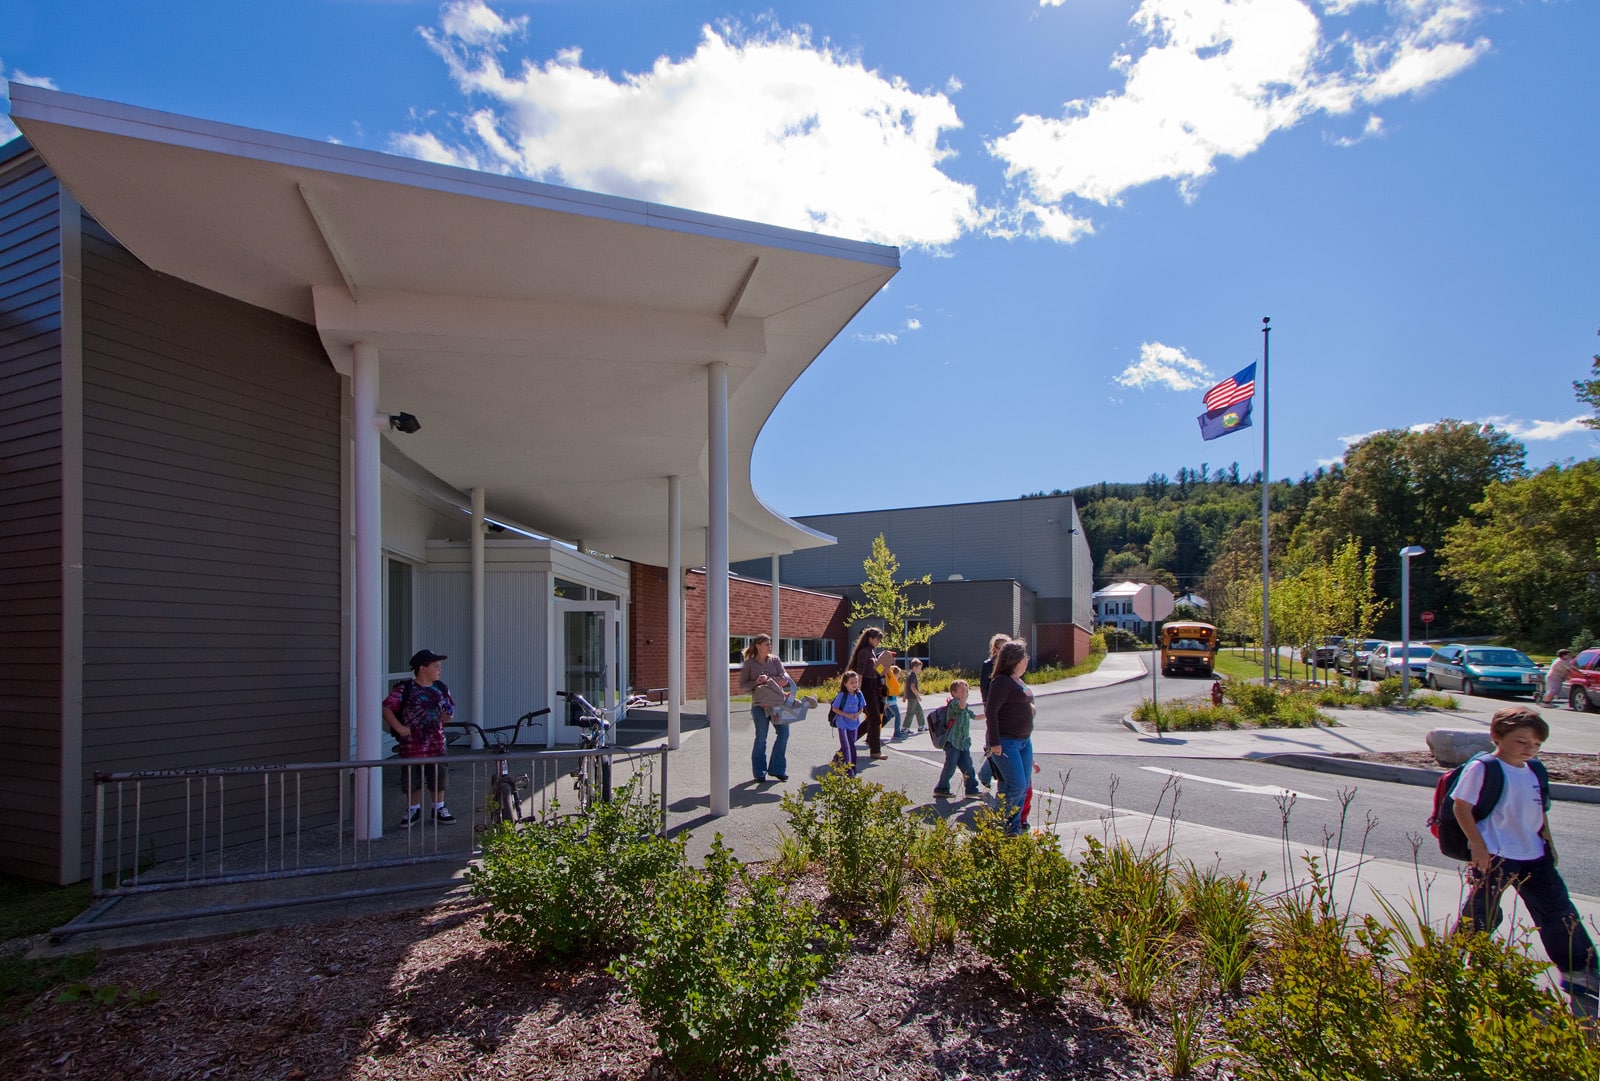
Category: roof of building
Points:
column 1119, row 589
column 553, row 343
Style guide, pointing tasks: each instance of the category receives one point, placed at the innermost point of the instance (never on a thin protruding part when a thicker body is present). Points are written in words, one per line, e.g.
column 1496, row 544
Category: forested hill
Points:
column 1171, row 529
column 1506, row 550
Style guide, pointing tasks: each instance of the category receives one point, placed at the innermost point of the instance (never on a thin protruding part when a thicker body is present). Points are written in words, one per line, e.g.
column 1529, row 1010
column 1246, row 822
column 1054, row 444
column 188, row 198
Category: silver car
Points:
column 1385, row 660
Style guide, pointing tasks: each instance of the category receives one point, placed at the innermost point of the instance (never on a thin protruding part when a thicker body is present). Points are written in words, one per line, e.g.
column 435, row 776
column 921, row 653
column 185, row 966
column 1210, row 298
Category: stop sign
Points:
column 1427, row 617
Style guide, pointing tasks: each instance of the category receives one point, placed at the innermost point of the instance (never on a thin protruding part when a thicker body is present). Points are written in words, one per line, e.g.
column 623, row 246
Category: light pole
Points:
column 1405, row 616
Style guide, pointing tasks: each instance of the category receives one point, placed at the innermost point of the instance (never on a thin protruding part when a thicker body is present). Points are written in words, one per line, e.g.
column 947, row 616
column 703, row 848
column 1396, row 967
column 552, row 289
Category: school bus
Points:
column 1188, row 647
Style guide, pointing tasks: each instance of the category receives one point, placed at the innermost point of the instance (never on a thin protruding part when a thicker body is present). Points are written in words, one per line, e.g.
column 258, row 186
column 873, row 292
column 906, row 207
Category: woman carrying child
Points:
column 764, row 678
column 848, row 709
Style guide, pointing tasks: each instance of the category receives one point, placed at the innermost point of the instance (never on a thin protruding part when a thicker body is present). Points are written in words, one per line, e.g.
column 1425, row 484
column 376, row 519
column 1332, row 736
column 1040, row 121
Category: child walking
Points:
column 848, row 709
column 894, row 683
column 958, row 743
column 914, row 714
column 1511, row 847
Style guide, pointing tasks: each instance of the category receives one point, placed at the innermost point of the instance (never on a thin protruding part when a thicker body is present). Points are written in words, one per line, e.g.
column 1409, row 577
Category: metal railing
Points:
column 170, row 830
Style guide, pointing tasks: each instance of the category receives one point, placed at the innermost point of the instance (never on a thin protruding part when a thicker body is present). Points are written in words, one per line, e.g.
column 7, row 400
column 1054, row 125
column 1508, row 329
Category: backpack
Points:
column 406, row 687
column 1442, row 823
column 939, row 726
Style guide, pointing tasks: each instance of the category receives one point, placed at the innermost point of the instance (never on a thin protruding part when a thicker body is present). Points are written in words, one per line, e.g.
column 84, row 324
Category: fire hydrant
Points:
column 1216, row 692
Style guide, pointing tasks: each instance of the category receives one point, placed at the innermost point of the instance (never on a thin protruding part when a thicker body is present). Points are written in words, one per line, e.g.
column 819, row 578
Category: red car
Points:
column 1583, row 686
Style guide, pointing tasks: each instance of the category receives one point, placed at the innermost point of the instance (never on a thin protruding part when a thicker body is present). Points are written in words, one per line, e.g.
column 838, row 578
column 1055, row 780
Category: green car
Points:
column 1484, row 670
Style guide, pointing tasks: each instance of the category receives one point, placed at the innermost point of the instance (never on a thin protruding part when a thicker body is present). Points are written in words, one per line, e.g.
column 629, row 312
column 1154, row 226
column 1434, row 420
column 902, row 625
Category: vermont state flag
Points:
column 1220, row 422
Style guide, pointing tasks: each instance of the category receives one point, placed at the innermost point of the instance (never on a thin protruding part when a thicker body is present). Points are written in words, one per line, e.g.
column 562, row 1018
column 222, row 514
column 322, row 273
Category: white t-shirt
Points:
column 1511, row 830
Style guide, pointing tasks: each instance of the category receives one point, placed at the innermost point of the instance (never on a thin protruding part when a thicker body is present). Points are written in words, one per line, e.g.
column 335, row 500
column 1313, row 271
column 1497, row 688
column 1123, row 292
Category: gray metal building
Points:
column 1012, row 566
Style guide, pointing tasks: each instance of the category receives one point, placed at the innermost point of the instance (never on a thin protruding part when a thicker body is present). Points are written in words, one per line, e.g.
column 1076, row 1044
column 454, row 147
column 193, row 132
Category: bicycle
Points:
column 505, row 790
column 593, row 775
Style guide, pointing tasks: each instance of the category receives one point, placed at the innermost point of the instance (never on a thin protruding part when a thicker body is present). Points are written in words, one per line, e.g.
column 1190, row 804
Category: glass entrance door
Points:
column 585, row 659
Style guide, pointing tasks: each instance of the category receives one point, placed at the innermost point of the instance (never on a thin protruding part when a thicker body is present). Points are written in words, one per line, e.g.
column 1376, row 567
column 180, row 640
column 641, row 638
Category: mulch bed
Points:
column 421, row 996
column 1564, row 768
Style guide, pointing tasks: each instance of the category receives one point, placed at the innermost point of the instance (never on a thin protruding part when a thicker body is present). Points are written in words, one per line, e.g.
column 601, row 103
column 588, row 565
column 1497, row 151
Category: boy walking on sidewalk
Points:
column 958, row 743
column 1511, row 847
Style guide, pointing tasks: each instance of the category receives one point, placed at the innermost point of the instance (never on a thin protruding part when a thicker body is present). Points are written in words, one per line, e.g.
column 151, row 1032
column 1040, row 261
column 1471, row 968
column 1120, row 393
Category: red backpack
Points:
column 1442, row 823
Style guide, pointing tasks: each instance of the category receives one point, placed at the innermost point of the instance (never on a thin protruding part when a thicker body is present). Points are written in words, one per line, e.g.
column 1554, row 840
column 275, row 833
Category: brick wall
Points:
column 803, row 614
column 1063, row 642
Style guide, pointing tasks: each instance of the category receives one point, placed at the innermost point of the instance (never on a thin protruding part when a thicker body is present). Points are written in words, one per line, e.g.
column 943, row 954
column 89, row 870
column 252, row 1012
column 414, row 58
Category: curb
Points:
column 1413, row 775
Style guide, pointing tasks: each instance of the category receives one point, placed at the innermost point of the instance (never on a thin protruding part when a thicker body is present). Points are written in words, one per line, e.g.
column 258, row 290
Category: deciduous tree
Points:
column 886, row 602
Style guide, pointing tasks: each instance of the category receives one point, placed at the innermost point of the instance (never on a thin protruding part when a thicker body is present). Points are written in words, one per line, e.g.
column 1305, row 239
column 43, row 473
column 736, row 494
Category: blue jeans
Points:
column 760, row 764
column 957, row 758
column 1014, row 767
column 891, row 708
column 1544, row 893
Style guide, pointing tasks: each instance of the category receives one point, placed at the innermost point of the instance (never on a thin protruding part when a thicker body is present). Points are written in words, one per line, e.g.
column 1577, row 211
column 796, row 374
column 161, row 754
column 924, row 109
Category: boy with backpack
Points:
column 416, row 711
column 957, row 741
column 1510, row 846
column 914, row 715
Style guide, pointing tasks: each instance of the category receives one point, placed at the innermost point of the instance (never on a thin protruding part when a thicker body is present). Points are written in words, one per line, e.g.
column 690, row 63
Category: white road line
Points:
column 1253, row 789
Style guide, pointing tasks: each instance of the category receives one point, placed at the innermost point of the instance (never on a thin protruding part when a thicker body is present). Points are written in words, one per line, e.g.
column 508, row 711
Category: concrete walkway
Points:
column 756, row 822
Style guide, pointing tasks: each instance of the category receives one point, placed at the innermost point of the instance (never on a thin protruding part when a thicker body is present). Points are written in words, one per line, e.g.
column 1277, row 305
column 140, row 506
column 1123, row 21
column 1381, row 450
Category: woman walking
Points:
column 864, row 661
column 986, row 677
column 764, row 678
column 1008, row 731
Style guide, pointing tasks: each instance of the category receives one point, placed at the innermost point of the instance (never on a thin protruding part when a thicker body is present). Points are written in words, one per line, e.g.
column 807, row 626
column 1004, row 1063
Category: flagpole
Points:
column 1266, row 482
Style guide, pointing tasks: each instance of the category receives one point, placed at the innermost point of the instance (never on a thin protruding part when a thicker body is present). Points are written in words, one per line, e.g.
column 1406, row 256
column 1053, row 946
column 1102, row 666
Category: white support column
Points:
column 777, row 613
column 675, row 642
column 717, row 583
column 368, row 551
column 479, row 632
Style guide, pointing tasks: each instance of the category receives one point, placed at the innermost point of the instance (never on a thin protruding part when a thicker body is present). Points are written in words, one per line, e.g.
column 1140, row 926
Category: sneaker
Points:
column 880, row 755
column 780, row 777
column 442, row 814
column 943, row 792
column 412, row 817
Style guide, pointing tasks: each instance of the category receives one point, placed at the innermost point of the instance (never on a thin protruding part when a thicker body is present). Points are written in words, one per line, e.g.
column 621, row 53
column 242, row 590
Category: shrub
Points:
column 862, row 835
column 938, row 680
column 1399, row 998
column 719, row 975
column 1255, row 700
column 1121, row 640
column 1022, row 903
column 1223, row 911
column 1180, row 716
column 576, row 883
column 1137, row 909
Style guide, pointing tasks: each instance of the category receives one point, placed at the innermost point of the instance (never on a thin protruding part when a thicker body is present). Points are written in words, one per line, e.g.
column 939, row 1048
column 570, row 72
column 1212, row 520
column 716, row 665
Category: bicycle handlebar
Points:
column 515, row 729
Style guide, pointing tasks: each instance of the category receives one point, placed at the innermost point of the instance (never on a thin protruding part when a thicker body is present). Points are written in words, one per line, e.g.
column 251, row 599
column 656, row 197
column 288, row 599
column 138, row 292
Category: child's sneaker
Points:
column 442, row 814
column 412, row 817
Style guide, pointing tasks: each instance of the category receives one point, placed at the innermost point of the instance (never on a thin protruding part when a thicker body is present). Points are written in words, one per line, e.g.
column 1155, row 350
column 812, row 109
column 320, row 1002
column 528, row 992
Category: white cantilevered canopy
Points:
column 553, row 343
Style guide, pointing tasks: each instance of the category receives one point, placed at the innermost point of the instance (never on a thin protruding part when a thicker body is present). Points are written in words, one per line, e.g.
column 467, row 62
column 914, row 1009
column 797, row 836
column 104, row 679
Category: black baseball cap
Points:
column 424, row 657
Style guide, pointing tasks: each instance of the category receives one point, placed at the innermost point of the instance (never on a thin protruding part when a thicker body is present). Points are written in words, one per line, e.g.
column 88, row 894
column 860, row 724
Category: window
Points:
column 398, row 616
column 789, row 651
column 921, row 648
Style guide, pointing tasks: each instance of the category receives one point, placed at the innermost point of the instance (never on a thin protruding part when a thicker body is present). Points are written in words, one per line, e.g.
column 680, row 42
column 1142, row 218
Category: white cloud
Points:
column 881, row 338
column 8, row 130
column 1212, row 79
column 913, row 324
column 766, row 126
column 1167, row 366
column 1538, row 431
column 1370, row 130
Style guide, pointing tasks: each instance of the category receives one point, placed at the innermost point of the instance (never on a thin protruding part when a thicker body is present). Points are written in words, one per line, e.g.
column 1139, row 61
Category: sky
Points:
column 1096, row 201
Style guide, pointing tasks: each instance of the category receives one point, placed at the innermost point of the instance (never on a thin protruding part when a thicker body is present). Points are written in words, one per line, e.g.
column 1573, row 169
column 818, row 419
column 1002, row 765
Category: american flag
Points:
column 1231, row 391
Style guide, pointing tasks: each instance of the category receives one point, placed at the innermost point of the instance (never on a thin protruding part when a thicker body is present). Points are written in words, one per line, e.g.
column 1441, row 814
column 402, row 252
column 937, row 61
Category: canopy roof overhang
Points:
column 553, row 343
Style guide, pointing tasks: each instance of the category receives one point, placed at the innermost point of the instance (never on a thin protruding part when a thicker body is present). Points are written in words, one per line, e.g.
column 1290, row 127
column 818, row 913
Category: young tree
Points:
column 887, row 602
column 1531, row 556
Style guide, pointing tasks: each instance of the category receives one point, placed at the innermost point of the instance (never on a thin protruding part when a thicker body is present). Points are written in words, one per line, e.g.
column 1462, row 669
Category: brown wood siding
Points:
column 211, row 534
column 30, row 513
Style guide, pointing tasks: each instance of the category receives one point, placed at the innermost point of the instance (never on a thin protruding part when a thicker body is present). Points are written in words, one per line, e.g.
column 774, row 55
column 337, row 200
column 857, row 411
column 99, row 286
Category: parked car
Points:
column 1384, row 661
column 1322, row 652
column 1583, row 686
column 1484, row 670
column 1353, row 654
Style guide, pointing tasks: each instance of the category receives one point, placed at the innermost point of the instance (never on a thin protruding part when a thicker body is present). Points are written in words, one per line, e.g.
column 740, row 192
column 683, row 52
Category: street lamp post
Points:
column 1405, row 616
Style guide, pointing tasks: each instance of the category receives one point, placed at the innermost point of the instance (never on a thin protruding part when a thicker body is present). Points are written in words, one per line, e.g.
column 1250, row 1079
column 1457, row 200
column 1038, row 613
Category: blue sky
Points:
column 1096, row 200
